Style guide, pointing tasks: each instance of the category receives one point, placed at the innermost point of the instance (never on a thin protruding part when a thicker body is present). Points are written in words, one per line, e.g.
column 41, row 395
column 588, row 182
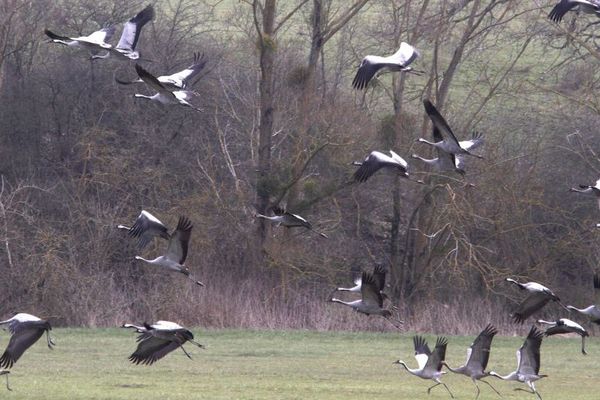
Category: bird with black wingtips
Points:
column 449, row 142
column 528, row 362
column 371, row 65
column 592, row 311
column 126, row 48
column 179, row 80
column 25, row 329
column 564, row 6
column 379, row 273
column 159, row 339
column 177, row 250
column 478, row 355
column 164, row 95
column 95, row 42
column 589, row 189
column 564, row 325
column 376, row 161
column 289, row 220
column 371, row 301
column 145, row 228
column 429, row 363
column 539, row 295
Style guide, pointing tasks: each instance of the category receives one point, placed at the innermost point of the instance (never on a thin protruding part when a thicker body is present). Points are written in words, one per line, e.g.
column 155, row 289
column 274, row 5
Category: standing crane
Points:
column 176, row 253
column 478, row 355
column 159, row 339
column 564, row 325
column 528, row 362
column 25, row 329
column 429, row 363
column 593, row 311
column 371, row 65
column 539, row 296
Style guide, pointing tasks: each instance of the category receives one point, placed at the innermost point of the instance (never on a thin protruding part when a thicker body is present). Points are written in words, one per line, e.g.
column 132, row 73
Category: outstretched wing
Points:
column 24, row 336
column 133, row 28
column 146, row 227
column 531, row 304
column 480, row 349
column 189, row 73
column 564, row 6
column 529, row 353
column 369, row 290
column 422, row 351
column 151, row 80
column 439, row 122
column 365, row 73
column 434, row 362
column 151, row 349
column 178, row 245
column 103, row 35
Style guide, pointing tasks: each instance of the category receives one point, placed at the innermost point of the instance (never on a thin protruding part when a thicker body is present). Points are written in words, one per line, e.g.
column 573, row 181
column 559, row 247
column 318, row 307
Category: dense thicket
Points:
column 79, row 154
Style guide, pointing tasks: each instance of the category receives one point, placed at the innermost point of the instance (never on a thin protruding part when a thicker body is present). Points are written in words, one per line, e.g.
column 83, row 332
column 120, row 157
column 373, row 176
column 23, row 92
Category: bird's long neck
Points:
column 123, row 227
column 137, row 327
column 346, row 303
column 426, row 141
column 142, row 96
column 459, row 370
column 96, row 56
column 510, row 377
column 412, row 371
column 580, row 310
column 425, row 160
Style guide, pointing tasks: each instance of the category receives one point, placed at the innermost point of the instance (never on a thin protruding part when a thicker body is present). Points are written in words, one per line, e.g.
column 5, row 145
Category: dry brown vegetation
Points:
column 280, row 125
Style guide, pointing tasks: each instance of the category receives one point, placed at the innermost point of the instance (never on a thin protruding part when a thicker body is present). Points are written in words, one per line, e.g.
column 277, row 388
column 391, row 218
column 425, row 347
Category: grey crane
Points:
column 132, row 29
column 448, row 161
column 564, row 6
column 163, row 94
column 478, row 355
column 379, row 273
column 564, row 325
column 94, row 42
column 145, row 228
column 179, row 80
column 450, row 143
column 26, row 329
column 371, row 301
column 289, row 220
column 528, row 362
column 376, row 161
column 588, row 189
column 371, row 65
column 6, row 372
column 593, row 311
column 539, row 295
column 174, row 257
column 159, row 339
column 429, row 363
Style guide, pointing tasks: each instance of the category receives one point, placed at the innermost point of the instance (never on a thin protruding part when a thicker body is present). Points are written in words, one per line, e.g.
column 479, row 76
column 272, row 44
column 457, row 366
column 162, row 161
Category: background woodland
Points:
column 280, row 124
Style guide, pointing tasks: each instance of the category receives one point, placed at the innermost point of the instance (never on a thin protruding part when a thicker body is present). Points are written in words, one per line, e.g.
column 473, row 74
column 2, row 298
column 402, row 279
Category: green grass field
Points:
column 92, row 364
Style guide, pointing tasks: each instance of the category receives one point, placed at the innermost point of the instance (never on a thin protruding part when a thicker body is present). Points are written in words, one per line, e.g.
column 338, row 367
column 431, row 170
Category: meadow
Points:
column 236, row 364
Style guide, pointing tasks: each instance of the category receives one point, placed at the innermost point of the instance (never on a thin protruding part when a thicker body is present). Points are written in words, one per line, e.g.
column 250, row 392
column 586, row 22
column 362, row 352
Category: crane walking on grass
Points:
column 5, row 372
column 478, row 355
column 528, row 362
column 429, row 363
